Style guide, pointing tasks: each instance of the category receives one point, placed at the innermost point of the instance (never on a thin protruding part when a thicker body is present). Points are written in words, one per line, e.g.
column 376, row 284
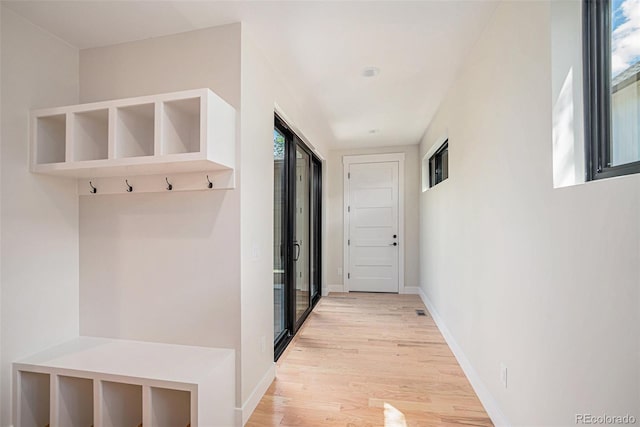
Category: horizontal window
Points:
column 439, row 165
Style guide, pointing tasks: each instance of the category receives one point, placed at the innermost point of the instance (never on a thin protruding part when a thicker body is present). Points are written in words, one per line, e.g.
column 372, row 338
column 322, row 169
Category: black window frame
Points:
column 596, row 22
column 436, row 169
column 292, row 325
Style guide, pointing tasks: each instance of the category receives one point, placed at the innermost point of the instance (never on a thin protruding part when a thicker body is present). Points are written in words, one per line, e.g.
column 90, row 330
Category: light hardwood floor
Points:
column 369, row 360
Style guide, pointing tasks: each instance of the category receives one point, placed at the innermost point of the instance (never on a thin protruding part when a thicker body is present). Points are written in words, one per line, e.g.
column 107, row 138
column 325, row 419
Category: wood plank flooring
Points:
column 368, row 360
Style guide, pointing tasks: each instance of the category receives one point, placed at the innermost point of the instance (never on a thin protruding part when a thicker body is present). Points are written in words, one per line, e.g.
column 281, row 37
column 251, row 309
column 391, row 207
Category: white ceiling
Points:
column 319, row 47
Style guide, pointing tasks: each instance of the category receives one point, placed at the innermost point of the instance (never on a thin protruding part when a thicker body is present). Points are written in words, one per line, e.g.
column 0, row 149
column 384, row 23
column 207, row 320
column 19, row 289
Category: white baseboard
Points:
column 485, row 396
column 413, row 290
column 336, row 288
column 243, row 414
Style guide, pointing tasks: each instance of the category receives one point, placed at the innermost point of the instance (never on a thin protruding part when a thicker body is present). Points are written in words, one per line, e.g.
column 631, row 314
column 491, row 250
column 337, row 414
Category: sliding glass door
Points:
column 302, row 233
column 297, row 196
column 279, row 215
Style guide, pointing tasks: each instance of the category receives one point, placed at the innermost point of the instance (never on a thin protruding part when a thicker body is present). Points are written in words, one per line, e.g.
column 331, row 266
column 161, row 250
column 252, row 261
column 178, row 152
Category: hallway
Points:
column 368, row 360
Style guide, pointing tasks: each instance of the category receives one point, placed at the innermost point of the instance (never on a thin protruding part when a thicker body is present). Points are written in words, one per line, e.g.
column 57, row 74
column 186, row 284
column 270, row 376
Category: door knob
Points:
column 395, row 236
column 393, row 244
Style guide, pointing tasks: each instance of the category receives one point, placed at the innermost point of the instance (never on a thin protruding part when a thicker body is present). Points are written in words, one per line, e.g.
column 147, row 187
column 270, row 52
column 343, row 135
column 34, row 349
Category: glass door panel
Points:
column 279, row 209
column 302, row 241
column 316, row 228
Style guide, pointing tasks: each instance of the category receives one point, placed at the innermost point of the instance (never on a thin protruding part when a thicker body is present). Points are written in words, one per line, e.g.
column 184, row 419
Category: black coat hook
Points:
column 129, row 188
column 169, row 185
column 93, row 190
column 210, row 185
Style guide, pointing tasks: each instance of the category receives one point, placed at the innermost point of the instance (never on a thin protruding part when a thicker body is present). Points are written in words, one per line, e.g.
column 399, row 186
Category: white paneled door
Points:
column 373, row 241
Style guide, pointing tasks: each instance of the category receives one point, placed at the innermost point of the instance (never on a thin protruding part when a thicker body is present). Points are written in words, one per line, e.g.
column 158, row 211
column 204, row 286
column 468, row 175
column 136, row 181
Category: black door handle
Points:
column 394, row 244
column 395, row 236
column 295, row 243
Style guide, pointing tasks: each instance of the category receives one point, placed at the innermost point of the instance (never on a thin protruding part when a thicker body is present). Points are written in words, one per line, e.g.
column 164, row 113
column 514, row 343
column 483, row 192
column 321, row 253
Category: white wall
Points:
column 544, row 280
column 335, row 221
column 191, row 268
column 257, row 219
column 262, row 90
column 39, row 216
column 1, row 365
column 163, row 267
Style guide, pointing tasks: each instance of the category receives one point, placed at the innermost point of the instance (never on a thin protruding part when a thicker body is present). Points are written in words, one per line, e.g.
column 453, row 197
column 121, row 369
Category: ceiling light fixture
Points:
column 370, row 72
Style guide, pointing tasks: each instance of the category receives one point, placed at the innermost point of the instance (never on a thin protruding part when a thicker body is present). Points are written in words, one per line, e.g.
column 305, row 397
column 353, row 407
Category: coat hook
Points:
column 93, row 190
column 129, row 188
column 210, row 183
column 169, row 185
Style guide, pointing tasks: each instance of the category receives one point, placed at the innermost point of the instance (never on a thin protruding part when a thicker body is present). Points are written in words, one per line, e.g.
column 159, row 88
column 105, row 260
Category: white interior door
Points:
column 373, row 240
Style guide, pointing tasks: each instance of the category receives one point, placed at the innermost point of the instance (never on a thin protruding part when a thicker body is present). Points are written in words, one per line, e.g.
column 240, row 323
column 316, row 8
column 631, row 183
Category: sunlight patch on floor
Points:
column 393, row 417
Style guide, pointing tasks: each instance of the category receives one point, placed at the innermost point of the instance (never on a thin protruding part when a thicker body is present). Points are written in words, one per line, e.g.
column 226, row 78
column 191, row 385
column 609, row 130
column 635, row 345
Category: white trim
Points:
column 280, row 112
column 437, row 144
column 424, row 174
column 486, row 398
column 336, row 288
column 373, row 158
column 243, row 414
column 411, row 290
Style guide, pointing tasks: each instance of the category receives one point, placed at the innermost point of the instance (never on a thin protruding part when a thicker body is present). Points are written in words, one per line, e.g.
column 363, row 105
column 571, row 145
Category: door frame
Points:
column 292, row 325
column 372, row 158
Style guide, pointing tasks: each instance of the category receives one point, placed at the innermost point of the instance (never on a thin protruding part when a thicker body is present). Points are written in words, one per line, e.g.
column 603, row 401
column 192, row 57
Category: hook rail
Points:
column 178, row 182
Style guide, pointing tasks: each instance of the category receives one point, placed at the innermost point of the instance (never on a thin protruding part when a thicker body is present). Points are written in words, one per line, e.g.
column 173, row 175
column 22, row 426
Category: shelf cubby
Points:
column 75, row 402
column 122, row 383
column 135, row 131
column 51, row 139
column 181, row 126
column 91, row 135
column 121, row 404
column 187, row 132
column 170, row 408
column 34, row 399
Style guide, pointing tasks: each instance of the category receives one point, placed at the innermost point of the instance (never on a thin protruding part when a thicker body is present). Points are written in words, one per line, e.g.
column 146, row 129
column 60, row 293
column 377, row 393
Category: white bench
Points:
column 104, row 382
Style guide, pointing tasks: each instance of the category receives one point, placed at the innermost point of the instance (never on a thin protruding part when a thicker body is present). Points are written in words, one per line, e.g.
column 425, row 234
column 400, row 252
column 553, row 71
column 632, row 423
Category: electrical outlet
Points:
column 263, row 344
column 255, row 251
column 503, row 374
column 340, row 272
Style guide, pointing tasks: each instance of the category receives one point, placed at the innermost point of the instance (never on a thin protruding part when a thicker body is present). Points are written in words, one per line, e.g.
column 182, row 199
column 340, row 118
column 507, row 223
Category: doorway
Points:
column 297, row 207
column 373, row 223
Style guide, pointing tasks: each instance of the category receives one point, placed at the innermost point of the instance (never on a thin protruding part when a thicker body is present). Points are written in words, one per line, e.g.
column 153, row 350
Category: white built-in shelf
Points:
column 114, row 383
column 34, row 393
column 121, row 404
column 134, row 131
column 170, row 407
column 180, row 132
column 74, row 401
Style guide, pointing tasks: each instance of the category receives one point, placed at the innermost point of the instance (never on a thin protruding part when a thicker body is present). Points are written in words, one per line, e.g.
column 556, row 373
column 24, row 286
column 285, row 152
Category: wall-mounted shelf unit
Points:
column 114, row 383
column 180, row 132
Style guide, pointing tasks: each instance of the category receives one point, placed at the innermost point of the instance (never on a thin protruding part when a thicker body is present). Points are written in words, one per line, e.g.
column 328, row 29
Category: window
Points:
column 439, row 165
column 611, row 87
